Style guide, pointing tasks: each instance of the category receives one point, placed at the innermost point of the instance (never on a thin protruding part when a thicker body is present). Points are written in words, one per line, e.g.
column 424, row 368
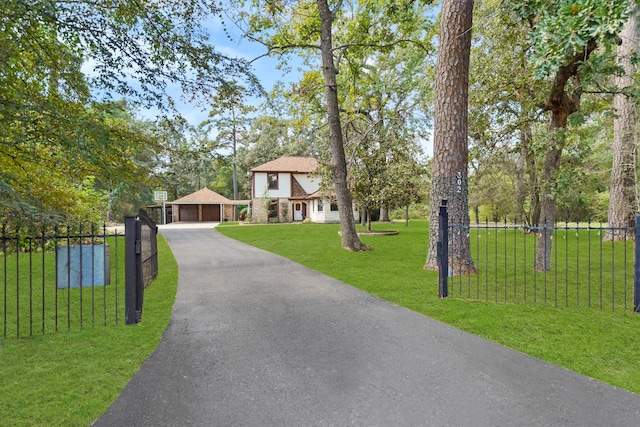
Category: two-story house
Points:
column 288, row 189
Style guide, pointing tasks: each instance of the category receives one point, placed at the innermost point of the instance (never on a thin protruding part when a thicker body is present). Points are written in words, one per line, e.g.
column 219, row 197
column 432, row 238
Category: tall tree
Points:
column 385, row 119
column 229, row 117
column 450, row 146
column 622, row 187
column 309, row 27
column 187, row 160
column 350, row 238
column 565, row 36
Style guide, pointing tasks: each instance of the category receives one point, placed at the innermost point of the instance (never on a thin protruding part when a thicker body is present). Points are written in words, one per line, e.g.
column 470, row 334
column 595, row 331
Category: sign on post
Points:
column 82, row 266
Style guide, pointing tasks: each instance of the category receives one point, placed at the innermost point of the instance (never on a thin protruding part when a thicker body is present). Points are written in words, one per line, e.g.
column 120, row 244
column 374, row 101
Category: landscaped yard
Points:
column 600, row 344
column 70, row 378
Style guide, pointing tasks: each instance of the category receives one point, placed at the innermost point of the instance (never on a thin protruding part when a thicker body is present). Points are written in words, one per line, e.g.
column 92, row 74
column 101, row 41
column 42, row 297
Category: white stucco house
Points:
column 288, row 189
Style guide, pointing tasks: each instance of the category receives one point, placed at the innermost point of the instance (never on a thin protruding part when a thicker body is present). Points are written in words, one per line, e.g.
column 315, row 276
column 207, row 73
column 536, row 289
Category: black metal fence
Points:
column 60, row 279
column 586, row 270
column 70, row 278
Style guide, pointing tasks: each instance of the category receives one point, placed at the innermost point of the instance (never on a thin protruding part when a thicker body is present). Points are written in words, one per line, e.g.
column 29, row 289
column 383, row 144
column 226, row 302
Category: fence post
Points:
column 132, row 269
column 636, row 271
column 442, row 254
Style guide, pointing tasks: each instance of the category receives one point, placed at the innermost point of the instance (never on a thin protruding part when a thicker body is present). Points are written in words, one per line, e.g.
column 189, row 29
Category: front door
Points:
column 297, row 211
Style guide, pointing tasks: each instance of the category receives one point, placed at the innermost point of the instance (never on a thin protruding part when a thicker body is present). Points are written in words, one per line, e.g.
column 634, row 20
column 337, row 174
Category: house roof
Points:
column 206, row 196
column 322, row 195
column 289, row 164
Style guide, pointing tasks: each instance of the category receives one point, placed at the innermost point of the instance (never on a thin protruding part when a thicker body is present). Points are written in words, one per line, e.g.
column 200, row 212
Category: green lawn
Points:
column 69, row 378
column 31, row 304
column 599, row 343
column 586, row 271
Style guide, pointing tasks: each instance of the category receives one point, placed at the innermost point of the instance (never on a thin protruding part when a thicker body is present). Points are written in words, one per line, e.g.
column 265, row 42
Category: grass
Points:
column 71, row 377
column 31, row 304
column 599, row 343
column 586, row 271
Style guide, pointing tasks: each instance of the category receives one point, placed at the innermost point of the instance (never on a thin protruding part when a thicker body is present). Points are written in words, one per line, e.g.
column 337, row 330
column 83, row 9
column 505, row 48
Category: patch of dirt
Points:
column 378, row 233
column 375, row 233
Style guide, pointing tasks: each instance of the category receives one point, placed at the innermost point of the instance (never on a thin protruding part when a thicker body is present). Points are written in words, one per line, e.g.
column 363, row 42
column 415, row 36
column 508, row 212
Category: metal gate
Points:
column 141, row 266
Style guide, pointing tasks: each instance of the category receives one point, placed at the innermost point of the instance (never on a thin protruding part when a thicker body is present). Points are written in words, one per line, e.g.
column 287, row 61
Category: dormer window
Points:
column 272, row 181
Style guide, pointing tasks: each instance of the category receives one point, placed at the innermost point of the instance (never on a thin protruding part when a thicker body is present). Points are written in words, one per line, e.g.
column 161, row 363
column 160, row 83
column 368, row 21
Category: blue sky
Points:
column 265, row 68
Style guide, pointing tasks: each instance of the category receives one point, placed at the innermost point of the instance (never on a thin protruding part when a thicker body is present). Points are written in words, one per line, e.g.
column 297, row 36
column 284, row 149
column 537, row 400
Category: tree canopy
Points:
column 64, row 65
column 542, row 78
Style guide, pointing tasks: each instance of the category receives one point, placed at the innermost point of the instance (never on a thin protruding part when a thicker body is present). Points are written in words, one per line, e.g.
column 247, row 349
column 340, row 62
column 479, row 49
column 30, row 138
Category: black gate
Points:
column 141, row 248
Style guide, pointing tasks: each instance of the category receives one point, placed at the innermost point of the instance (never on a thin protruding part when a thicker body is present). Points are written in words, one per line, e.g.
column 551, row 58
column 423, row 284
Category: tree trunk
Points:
column 548, row 203
column 525, row 167
column 520, row 188
column 562, row 105
column 406, row 216
column 622, row 196
column 450, row 146
column 235, row 168
column 384, row 214
column 527, row 188
column 350, row 238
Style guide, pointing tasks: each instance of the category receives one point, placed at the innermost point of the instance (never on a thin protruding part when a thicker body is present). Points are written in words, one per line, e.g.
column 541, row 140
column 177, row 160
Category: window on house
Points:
column 319, row 205
column 298, row 207
column 334, row 206
column 272, row 181
column 273, row 209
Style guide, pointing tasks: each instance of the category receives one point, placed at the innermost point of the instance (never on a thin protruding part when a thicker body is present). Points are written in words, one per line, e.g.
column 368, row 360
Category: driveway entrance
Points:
column 257, row 340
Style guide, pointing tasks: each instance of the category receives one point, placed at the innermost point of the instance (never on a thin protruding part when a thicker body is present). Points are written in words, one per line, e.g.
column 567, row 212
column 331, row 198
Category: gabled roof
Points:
column 289, row 164
column 203, row 196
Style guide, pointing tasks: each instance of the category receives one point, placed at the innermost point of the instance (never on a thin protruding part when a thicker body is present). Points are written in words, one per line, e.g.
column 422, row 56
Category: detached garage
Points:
column 204, row 206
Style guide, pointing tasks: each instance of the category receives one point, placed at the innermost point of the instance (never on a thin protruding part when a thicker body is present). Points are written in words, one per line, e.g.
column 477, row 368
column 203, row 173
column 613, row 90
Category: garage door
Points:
column 211, row 213
column 189, row 213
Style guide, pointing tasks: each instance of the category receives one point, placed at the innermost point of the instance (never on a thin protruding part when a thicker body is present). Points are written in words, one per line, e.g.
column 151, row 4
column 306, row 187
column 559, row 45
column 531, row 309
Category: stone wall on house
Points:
column 227, row 214
column 259, row 213
column 284, row 211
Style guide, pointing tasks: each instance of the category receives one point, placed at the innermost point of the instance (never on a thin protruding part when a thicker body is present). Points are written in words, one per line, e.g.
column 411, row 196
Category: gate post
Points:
column 132, row 269
column 442, row 253
column 636, row 271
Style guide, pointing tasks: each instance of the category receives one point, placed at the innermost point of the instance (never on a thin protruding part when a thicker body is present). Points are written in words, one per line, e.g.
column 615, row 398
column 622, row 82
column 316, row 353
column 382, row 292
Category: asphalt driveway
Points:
column 257, row 340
